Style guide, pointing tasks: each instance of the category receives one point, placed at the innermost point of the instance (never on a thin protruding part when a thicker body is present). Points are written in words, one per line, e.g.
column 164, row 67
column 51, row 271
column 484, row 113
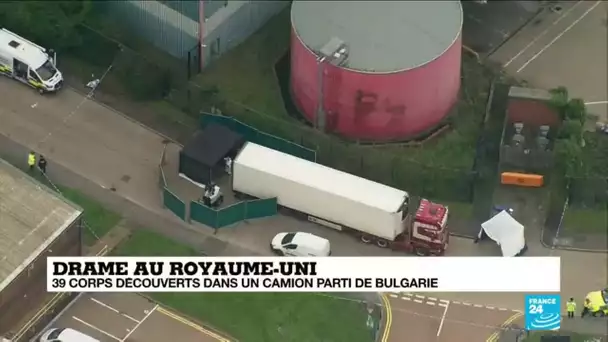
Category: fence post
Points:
column 217, row 223
column 246, row 212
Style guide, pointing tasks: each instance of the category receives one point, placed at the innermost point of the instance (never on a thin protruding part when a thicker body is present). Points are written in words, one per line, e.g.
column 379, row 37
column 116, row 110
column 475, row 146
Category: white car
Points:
column 300, row 244
column 65, row 335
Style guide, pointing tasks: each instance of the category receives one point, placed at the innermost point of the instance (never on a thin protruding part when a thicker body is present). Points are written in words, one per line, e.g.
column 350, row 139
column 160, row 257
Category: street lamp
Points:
column 334, row 52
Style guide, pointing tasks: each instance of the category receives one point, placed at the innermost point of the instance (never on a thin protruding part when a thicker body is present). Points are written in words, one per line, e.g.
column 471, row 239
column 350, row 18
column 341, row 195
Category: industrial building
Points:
column 179, row 27
column 376, row 70
column 34, row 223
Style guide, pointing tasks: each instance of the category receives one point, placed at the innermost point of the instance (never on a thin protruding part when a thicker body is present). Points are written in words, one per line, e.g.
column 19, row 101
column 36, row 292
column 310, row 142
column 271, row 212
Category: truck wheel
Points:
column 419, row 251
column 366, row 238
column 382, row 243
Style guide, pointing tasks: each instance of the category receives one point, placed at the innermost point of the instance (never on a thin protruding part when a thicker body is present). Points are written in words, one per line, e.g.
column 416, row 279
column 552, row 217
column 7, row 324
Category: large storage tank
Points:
column 395, row 72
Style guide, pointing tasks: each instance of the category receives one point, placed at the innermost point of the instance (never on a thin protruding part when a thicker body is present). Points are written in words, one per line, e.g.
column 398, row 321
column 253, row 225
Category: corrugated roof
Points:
column 31, row 217
column 382, row 36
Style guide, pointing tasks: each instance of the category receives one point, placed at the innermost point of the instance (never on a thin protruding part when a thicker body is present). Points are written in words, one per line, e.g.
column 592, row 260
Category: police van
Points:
column 28, row 63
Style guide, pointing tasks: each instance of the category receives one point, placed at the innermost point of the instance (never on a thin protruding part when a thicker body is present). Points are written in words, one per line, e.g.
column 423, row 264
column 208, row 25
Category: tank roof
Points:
column 381, row 36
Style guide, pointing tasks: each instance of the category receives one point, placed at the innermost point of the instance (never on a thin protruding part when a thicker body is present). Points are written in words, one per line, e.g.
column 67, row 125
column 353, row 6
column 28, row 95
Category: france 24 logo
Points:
column 543, row 312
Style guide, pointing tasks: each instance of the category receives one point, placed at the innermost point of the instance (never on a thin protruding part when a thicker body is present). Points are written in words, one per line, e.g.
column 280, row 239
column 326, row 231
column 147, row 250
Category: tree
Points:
column 52, row 23
column 568, row 154
column 568, row 145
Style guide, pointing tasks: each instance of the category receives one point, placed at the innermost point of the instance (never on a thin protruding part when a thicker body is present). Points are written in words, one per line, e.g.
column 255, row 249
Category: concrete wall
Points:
column 231, row 25
column 161, row 25
column 28, row 290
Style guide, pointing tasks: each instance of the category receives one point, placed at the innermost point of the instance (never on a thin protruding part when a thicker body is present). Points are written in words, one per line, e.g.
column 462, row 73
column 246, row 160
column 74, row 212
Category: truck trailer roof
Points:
column 315, row 175
column 13, row 45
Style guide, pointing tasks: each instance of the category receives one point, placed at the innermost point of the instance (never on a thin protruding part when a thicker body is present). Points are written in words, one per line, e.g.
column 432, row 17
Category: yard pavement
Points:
column 427, row 318
column 488, row 26
column 567, row 48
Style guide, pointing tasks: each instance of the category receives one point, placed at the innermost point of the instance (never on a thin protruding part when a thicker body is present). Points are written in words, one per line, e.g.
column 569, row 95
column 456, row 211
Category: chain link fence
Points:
column 380, row 165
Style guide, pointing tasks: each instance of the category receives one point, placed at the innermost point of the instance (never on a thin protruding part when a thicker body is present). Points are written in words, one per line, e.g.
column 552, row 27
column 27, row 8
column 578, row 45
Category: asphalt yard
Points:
column 423, row 318
column 565, row 46
column 127, row 317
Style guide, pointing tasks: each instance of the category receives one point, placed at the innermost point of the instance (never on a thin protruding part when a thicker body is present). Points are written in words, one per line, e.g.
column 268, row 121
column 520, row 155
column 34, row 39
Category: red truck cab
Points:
column 427, row 233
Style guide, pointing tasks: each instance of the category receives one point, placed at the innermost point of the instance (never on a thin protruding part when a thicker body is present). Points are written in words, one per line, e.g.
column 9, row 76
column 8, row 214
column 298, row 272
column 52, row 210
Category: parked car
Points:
column 66, row 335
column 300, row 244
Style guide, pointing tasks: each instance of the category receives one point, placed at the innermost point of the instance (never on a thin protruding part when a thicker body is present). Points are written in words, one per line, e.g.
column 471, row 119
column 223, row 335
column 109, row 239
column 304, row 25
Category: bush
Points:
column 143, row 80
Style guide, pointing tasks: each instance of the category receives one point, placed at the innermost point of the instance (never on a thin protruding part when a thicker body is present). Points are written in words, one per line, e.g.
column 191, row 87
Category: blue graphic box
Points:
column 543, row 312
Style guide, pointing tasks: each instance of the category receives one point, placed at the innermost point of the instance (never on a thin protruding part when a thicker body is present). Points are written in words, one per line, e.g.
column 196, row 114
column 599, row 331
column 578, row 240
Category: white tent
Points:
column 507, row 232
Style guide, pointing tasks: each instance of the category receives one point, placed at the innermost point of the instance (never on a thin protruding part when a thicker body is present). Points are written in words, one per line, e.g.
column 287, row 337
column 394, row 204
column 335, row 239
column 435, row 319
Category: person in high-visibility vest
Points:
column 571, row 307
column 31, row 160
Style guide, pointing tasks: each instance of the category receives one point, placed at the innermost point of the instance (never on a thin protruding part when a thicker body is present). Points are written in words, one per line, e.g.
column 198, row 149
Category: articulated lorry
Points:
column 374, row 212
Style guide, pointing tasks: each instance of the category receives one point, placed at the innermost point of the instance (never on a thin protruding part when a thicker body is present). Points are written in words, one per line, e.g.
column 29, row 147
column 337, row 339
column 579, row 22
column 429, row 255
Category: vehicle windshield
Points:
column 46, row 71
column 55, row 334
column 605, row 295
column 288, row 238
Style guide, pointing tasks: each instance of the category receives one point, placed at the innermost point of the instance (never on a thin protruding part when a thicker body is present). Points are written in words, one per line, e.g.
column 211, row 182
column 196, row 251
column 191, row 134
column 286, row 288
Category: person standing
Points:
column 586, row 308
column 42, row 164
column 571, row 307
column 31, row 160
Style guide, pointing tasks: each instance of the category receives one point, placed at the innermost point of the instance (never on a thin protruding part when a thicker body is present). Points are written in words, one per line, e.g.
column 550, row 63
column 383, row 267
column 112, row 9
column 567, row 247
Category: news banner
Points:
column 281, row 274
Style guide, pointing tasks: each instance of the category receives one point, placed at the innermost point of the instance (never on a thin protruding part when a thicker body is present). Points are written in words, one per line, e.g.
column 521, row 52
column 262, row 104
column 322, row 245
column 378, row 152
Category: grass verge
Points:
column 585, row 221
column 574, row 337
column 257, row 317
column 99, row 220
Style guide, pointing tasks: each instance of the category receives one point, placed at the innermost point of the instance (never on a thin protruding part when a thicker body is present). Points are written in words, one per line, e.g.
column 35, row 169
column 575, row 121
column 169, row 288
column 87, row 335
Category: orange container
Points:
column 522, row 179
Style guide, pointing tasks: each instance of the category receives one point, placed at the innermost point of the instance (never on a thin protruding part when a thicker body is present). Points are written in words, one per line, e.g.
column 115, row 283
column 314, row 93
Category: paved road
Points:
column 127, row 317
column 428, row 318
column 568, row 48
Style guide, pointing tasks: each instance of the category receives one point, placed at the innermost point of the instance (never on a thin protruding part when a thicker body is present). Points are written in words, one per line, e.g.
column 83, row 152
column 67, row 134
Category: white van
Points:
column 300, row 244
column 28, row 63
column 66, row 335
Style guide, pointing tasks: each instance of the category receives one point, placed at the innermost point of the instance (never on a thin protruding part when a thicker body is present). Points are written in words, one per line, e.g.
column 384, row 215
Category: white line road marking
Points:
column 418, row 301
column 406, row 298
column 140, row 322
column 113, row 309
column 95, row 328
column 445, row 311
column 75, row 110
column 595, row 103
column 394, row 296
column 431, row 303
column 490, row 307
column 431, row 298
column 418, row 296
column 559, row 35
column 467, row 304
column 542, row 34
column 478, row 305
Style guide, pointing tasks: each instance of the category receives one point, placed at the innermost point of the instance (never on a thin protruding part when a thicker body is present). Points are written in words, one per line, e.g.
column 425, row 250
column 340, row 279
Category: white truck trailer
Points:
column 336, row 199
